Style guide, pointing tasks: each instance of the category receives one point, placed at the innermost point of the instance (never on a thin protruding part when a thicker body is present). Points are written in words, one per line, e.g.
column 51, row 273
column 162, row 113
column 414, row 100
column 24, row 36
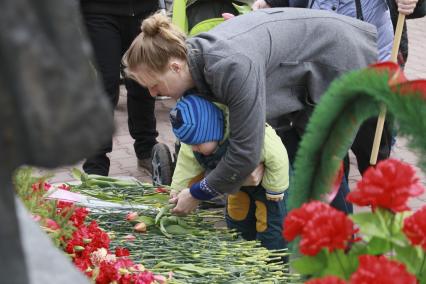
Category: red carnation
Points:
column 78, row 216
column 120, row 251
column 326, row 280
column 320, row 226
column 380, row 270
column 107, row 273
column 415, row 228
column 297, row 219
column 329, row 229
column 388, row 185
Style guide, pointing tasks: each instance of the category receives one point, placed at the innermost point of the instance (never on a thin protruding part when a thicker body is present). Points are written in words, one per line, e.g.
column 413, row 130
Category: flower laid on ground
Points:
column 87, row 244
column 390, row 242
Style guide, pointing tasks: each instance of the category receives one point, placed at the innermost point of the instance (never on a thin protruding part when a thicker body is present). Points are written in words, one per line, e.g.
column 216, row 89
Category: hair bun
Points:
column 153, row 25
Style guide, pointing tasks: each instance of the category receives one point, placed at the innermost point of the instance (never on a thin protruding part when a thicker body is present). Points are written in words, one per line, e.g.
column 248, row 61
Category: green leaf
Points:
column 149, row 221
column 242, row 9
column 377, row 246
column 164, row 210
column 310, row 265
column 411, row 256
column 422, row 277
column 371, row 225
column 156, row 197
column 176, row 230
column 338, row 264
column 163, row 229
column 76, row 173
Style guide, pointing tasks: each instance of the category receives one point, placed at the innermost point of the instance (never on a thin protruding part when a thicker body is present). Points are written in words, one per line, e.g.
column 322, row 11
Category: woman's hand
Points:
column 185, row 203
column 260, row 4
column 173, row 195
column 406, row 7
column 255, row 177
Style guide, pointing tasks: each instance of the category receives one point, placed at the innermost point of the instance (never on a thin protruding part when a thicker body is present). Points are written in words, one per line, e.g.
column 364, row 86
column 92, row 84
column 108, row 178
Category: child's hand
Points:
column 274, row 198
column 173, row 195
column 255, row 177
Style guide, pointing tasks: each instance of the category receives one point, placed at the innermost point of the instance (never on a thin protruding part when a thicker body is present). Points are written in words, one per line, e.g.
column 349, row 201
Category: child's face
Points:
column 206, row 148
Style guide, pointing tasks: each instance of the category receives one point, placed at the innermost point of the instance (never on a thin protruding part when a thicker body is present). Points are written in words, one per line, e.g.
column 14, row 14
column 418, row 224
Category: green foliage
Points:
column 242, row 9
column 34, row 199
column 348, row 102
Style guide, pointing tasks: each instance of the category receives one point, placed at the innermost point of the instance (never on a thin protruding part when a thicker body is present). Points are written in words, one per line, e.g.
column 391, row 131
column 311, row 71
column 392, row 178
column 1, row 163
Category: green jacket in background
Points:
column 273, row 156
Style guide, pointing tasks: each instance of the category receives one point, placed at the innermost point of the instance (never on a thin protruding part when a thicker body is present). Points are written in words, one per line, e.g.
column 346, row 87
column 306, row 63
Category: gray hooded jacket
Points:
column 271, row 63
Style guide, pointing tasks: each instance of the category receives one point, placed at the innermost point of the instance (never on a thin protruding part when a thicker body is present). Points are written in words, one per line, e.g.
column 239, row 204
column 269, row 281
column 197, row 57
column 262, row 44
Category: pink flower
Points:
column 36, row 218
column 129, row 238
column 131, row 216
column 51, row 224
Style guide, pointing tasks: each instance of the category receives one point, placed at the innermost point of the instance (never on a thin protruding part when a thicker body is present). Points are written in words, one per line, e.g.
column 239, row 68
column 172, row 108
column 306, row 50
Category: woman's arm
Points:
column 240, row 84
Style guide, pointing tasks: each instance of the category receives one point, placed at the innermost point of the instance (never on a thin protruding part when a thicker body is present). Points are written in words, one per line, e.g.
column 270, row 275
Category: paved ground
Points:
column 123, row 160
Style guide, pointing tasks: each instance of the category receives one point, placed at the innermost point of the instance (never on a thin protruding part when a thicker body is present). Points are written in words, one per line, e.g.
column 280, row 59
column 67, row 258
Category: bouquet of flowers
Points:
column 85, row 242
column 386, row 245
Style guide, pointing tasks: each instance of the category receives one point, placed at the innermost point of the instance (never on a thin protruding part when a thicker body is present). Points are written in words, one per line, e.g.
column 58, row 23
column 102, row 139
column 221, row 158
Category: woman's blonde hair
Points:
column 159, row 41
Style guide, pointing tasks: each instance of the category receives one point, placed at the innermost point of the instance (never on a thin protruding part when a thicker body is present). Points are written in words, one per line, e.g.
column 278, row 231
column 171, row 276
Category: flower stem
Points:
column 423, row 263
column 391, row 233
column 341, row 265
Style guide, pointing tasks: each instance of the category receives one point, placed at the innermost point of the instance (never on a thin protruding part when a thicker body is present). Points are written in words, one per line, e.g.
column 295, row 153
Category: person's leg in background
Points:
column 339, row 202
column 363, row 143
column 140, row 104
column 105, row 37
column 291, row 140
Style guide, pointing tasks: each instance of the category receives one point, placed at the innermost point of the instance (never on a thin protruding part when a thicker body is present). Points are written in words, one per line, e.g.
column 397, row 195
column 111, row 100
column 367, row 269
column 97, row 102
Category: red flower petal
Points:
column 120, row 251
column 388, row 185
column 380, row 270
column 415, row 228
column 320, row 226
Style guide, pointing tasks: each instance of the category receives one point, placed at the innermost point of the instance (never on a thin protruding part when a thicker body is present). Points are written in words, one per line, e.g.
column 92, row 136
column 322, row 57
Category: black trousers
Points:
column 361, row 147
column 363, row 143
column 111, row 36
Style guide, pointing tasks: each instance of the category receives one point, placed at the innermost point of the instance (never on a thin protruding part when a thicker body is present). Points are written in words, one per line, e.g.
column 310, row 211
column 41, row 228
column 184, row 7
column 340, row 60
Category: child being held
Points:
column 256, row 212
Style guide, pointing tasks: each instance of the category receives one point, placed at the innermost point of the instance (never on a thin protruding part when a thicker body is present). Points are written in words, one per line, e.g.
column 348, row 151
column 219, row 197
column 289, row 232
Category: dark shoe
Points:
column 98, row 165
column 146, row 164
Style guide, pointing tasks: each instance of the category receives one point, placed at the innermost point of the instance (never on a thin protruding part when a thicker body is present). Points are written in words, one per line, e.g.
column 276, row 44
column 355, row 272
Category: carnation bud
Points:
column 78, row 248
column 131, row 216
column 86, row 241
column 140, row 227
column 129, row 238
